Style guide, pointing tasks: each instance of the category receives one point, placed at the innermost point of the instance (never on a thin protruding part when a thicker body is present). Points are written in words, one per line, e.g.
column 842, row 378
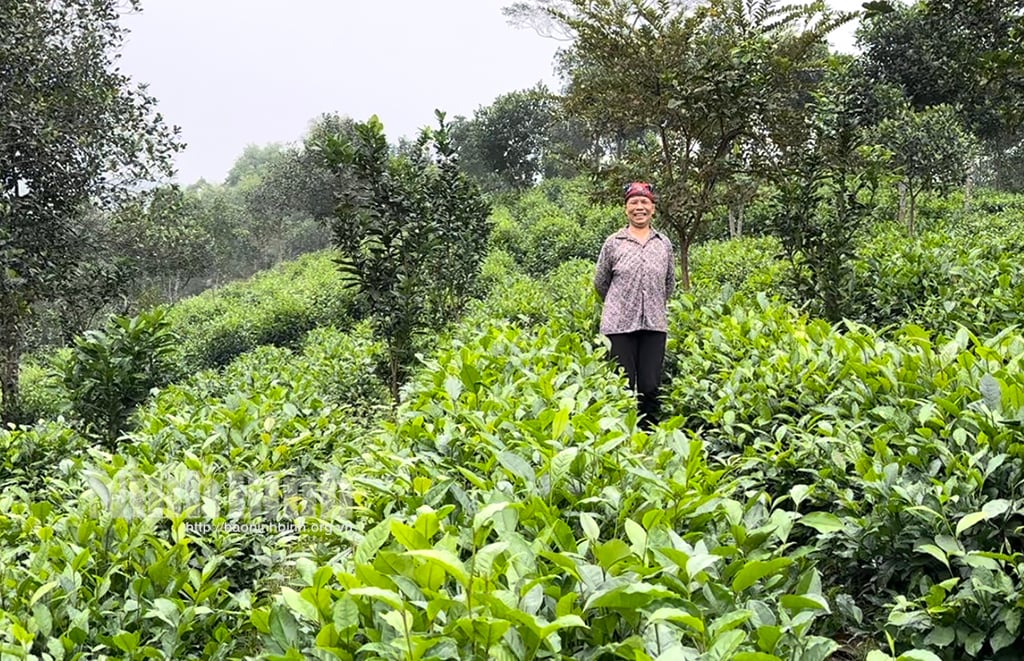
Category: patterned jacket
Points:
column 635, row 282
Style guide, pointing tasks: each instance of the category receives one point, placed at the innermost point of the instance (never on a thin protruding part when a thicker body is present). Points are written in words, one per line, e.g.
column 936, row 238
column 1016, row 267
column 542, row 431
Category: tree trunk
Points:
column 684, row 262
column 10, row 358
column 969, row 187
column 910, row 217
column 736, row 221
column 901, row 213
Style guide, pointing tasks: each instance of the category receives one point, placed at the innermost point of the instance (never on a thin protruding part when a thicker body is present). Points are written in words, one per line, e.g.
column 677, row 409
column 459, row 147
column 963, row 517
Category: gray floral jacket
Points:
column 635, row 281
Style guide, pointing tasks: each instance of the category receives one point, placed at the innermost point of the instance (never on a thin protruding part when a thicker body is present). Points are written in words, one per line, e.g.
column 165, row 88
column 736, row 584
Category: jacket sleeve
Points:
column 603, row 274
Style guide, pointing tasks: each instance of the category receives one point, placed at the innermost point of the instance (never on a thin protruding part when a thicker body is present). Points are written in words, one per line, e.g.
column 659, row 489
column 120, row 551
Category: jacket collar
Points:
column 624, row 234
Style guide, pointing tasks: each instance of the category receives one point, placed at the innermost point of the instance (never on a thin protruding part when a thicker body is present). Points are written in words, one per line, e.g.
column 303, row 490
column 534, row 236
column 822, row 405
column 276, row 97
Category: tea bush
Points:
column 747, row 265
column 110, row 372
column 552, row 224
column 276, row 307
column 512, row 512
column 911, row 446
column 818, row 492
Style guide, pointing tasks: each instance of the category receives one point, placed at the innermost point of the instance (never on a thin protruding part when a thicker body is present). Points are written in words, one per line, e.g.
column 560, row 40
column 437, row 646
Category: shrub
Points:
column 552, row 224
column 276, row 307
column 747, row 265
column 43, row 395
column 110, row 372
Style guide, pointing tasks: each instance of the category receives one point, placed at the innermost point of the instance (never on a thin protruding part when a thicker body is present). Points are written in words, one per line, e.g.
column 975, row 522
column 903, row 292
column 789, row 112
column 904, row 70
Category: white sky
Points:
column 237, row 72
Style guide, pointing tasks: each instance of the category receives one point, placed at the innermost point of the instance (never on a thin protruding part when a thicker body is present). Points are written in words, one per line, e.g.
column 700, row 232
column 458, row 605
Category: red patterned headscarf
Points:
column 640, row 188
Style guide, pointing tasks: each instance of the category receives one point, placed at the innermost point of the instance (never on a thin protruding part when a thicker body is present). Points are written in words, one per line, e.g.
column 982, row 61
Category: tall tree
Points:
column 931, row 152
column 968, row 54
column 411, row 229
column 506, row 142
column 824, row 197
column 74, row 131
column 681, row 84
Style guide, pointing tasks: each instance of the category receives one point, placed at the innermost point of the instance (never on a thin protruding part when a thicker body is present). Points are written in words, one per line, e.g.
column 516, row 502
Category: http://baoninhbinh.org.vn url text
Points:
column 198, row 528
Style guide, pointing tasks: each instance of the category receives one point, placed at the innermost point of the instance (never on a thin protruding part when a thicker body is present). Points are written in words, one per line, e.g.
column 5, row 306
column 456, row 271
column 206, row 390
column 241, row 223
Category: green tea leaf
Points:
column 755, row 570
column 564, row 622
column 794, row 603
column 969, row 521
column 387, row 596
column 445, row 560
column 561, row 420
column 372, row 541
column 561, row 463
column 823, row 522
column 408, row 536
column 518, row 466
column 629, row 597
column 918, row 655
column 935, row 552
column 299, row 605
column 42, row 591
column 991, row 392
column 677, row 615
column 345, row 613
column 637, row 535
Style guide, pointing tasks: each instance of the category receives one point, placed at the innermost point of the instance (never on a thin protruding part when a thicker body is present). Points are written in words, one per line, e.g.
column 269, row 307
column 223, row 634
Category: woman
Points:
column 635, row 278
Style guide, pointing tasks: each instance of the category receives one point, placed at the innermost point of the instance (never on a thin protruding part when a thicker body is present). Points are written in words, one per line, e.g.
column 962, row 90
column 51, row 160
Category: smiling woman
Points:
column 635, row 278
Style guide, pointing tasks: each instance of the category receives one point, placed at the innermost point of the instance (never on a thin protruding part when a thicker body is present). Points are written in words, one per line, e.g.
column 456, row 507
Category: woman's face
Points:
column 639, row 211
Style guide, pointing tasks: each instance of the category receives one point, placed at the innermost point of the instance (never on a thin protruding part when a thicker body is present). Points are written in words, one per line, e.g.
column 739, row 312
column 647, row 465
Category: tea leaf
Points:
column 755, row 570
column 823, row 522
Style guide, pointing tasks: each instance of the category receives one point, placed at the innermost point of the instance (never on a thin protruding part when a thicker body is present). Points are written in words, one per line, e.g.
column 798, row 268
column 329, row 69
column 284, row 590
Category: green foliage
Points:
column 43, row 395
column 504, row 146
column 551, row 224
column 145, row 554
column 821, row 491
column 275, row 307
column 748, row 266
column 60, row 81
column 960, row 271
column 675, row 90
column 825, row 201
column 411, row 231
column 931, row 151
column 963, row 54
column 110, row 372
column 910, row 447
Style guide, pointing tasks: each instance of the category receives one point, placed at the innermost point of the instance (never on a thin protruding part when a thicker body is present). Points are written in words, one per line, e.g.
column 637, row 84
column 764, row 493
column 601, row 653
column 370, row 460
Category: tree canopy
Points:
column 74, row 133
column 677, row 90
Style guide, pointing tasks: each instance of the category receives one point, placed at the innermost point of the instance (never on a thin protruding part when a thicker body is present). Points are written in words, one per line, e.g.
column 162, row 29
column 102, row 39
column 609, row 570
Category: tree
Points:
column 248, row 168
column 507, row 140
column 968, row 54
column 824, row 198
column 931, row 152
column 964, row 53
column 680, row 87
column 74, row 132
column 411, row 229
column 292, row 192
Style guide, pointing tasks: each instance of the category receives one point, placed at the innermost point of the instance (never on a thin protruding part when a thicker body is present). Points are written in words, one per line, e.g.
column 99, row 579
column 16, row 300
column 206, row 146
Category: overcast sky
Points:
column 237, row 72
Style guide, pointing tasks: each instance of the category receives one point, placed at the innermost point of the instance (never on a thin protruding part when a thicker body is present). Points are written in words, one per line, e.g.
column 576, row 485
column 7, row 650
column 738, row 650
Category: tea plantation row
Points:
column 820, row 492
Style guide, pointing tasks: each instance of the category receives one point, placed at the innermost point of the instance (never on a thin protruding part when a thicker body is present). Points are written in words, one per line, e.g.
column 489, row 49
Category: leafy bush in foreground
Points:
column 911, row 449
column 110, row 372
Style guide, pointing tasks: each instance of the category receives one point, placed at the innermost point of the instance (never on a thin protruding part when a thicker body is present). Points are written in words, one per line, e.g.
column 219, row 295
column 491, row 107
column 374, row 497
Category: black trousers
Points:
column 641, row 355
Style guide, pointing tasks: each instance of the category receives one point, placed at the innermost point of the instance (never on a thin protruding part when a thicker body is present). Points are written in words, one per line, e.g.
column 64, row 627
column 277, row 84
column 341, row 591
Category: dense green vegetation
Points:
column 412, row 445
column 820, row 491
